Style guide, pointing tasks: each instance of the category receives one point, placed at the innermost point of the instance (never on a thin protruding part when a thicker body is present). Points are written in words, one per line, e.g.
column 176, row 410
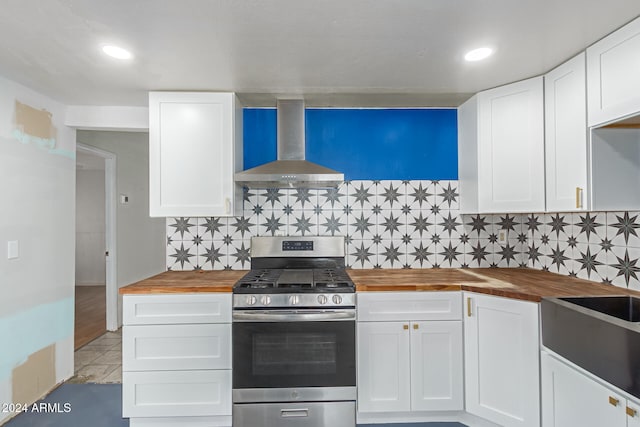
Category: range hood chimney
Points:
column 291, row 169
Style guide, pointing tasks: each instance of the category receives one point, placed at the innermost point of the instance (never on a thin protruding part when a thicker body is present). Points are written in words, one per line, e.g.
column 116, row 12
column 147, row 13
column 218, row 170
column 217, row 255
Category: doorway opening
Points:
column 96, row 287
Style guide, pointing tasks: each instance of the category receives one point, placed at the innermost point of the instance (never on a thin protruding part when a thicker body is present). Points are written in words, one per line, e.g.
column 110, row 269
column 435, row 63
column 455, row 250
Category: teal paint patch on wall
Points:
column 33, row 329
column 48, row 144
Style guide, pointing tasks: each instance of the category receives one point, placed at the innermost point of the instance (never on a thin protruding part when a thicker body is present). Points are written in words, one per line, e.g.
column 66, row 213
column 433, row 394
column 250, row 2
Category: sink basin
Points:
column 625, row 308
column 599, row 334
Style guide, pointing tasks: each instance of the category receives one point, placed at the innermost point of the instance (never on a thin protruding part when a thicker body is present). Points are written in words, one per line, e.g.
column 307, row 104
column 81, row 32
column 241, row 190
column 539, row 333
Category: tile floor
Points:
column 100, row 361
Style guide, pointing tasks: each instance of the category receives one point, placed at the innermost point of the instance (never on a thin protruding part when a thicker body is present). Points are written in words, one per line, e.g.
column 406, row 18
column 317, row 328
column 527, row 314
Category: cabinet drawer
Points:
column 176, row 347
column 406, row 306
column 181, row 393
column 174, row 309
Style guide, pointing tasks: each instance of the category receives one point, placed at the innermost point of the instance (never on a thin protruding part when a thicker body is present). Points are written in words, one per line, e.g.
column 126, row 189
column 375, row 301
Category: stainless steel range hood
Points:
column 291, row 169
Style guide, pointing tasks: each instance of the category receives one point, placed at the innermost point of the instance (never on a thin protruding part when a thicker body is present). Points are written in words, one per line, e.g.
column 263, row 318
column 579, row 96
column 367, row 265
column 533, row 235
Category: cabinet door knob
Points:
column 613, row 401
column 631, row 412
column 405, row 327
column 415, row 326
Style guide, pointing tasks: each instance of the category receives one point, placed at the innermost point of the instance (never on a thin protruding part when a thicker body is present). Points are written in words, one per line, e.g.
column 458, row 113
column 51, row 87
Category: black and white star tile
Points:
column 624, row 267
column 623, row 228
column 415, row 224
column 597, row 246
column 182, row 255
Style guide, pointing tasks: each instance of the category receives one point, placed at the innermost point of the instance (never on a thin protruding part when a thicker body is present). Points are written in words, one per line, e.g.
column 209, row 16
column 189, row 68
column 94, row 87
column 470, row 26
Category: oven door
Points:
column 293, row 355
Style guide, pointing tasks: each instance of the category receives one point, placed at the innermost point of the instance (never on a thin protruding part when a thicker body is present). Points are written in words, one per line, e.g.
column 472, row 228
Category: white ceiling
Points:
column 335, row 52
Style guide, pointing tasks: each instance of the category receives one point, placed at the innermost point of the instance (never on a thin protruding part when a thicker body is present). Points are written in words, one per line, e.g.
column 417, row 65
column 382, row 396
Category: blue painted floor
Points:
column 100, row 405
column 76, row 405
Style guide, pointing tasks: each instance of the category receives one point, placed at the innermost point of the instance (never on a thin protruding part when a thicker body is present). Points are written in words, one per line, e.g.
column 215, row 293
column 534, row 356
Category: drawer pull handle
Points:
column 631, row 412
column 405, row 327
column 291, row 413
column 468, row 307
column 415, row 326
column 613, row 401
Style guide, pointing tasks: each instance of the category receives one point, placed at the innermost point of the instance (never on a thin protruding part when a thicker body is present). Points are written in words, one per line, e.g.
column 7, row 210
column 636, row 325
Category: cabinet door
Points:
column 383, row 367
column 613, row 75
column 501, row 360
column 633, row 414
column 192, row 153
column 566, row 136
column 511, row 148
column 436, row 366
column 569, row 399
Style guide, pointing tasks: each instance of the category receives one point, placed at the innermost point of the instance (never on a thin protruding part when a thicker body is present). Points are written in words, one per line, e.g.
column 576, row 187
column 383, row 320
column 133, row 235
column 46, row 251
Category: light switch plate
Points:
column 13, row 249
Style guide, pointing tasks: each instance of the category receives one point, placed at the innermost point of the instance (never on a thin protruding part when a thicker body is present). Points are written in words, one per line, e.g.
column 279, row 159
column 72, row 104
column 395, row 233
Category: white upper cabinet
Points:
column 566, row 136
column 613, row 75
column 195, row 147
column 501, row 149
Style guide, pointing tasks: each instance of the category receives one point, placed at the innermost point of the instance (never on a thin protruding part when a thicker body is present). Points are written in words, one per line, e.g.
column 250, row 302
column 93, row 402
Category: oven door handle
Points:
column 293, row 315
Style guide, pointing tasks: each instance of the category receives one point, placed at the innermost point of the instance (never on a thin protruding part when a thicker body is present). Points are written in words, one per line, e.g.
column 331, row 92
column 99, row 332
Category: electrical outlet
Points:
column 502, row 236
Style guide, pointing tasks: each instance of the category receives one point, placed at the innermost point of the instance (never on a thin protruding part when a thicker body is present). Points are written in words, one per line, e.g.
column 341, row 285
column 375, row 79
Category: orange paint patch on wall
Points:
column 35, row 377
column 34, row 122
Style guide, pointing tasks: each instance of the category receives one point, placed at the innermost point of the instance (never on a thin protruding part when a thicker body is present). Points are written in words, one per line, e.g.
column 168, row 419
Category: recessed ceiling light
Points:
column 478, row 54
column 117, row 52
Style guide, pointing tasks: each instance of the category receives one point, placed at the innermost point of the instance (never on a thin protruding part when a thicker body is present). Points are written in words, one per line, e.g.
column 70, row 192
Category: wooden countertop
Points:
column 173, row 282
column 517, row 283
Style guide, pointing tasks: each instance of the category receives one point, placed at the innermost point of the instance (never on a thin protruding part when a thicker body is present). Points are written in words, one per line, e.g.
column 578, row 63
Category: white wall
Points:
column 140, row 240
column 90, row 227
column 37, row 209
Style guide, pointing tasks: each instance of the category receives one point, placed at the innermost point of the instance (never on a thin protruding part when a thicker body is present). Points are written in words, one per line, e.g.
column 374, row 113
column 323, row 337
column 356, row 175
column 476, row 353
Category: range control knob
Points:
column 251, row 300
column 322, row 299
column 265, row 300
column 337, row 299
column 294, row 300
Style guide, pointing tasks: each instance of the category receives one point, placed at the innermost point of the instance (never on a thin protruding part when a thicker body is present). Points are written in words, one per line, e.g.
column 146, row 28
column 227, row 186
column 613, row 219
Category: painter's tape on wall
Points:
column 33, row 126
column 31, row 330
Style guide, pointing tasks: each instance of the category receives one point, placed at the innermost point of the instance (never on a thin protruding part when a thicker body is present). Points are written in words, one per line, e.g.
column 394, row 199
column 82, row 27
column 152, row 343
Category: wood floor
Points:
column 91, row 307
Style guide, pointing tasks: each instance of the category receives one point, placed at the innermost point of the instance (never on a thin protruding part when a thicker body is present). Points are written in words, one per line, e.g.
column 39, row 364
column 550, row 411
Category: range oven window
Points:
column 293, row 354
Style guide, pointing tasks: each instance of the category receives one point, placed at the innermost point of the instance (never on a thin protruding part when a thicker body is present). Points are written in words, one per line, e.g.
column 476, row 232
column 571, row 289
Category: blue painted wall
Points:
column 368, row 144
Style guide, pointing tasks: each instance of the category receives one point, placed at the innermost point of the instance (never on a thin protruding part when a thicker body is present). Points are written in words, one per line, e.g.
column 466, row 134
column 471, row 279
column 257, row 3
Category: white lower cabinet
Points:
column 501, row 340
column 409, row 361
column 574, row 398
column 177, row 374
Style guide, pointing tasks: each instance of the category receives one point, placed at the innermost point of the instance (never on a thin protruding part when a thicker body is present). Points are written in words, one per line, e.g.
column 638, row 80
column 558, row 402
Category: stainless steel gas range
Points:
column 294, row 336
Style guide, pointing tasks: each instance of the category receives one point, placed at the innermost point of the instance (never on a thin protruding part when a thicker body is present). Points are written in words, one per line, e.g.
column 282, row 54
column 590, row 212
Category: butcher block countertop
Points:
column 177, row 282
column 518, row 283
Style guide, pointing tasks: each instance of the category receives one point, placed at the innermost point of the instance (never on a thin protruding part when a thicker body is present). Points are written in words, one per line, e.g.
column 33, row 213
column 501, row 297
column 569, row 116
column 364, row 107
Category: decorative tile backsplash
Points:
column 599, row 246
column 388, row 224
column 414, row 224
